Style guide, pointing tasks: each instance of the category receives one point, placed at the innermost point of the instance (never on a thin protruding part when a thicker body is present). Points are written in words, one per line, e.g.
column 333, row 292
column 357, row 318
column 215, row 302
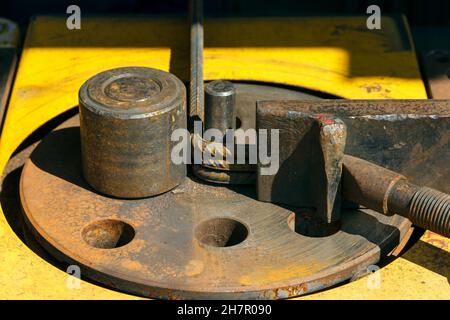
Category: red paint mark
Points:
column 325, row 118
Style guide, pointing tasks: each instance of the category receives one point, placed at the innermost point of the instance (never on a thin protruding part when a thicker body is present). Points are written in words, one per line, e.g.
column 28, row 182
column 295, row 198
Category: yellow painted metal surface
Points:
column 421, row 273
column 335, row 55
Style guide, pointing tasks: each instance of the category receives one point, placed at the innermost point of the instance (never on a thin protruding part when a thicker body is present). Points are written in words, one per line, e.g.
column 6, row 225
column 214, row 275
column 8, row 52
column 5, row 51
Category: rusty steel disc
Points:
column 196, row 241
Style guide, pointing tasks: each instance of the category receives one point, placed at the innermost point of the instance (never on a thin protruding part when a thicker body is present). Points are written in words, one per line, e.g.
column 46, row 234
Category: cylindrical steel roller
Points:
column 220, row 110
column 127, row 116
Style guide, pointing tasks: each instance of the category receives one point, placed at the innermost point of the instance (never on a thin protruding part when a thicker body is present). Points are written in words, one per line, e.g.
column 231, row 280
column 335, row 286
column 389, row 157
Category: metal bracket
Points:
column 410, row 137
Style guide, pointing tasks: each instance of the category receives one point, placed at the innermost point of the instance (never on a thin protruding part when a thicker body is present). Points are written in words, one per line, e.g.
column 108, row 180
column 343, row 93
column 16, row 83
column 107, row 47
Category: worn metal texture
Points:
column 310, row 151
column 224, row 176
column 220, row 106
column 411, row 137
column 335, row 48
column 127, row 119
column 197, row 241
column 372, row 186
column 390, row 193
column 332, row 136
column 197, row 98
column 247, row 94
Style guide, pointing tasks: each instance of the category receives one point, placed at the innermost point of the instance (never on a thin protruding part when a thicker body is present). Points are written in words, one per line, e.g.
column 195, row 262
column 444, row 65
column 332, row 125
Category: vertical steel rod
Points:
column 196, row 105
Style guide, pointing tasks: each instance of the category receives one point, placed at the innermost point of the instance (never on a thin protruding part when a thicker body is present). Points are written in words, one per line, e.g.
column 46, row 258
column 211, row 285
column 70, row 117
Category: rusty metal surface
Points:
column 332, row 136
column 311, row 148
column 197, row 99
column 224, row 176
column 390, row 193
column 127, row 118
column 411, row 137
column 372, row 186
column 220, row 106
column 196, row 241
column 247, row 94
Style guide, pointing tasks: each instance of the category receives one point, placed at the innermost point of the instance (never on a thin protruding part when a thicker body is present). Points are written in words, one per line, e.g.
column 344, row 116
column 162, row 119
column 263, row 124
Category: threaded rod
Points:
column 430, row 209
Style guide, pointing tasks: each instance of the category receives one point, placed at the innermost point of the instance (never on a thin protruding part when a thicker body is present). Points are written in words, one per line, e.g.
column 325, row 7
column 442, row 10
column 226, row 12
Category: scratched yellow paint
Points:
column 335, row 55
column 263, row 277
column 421, row 273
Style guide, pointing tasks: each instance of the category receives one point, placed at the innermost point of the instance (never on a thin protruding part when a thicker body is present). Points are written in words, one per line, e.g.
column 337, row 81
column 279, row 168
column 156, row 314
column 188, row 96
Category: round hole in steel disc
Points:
column 221, row 232
column 305, row 222
column 108, row 234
